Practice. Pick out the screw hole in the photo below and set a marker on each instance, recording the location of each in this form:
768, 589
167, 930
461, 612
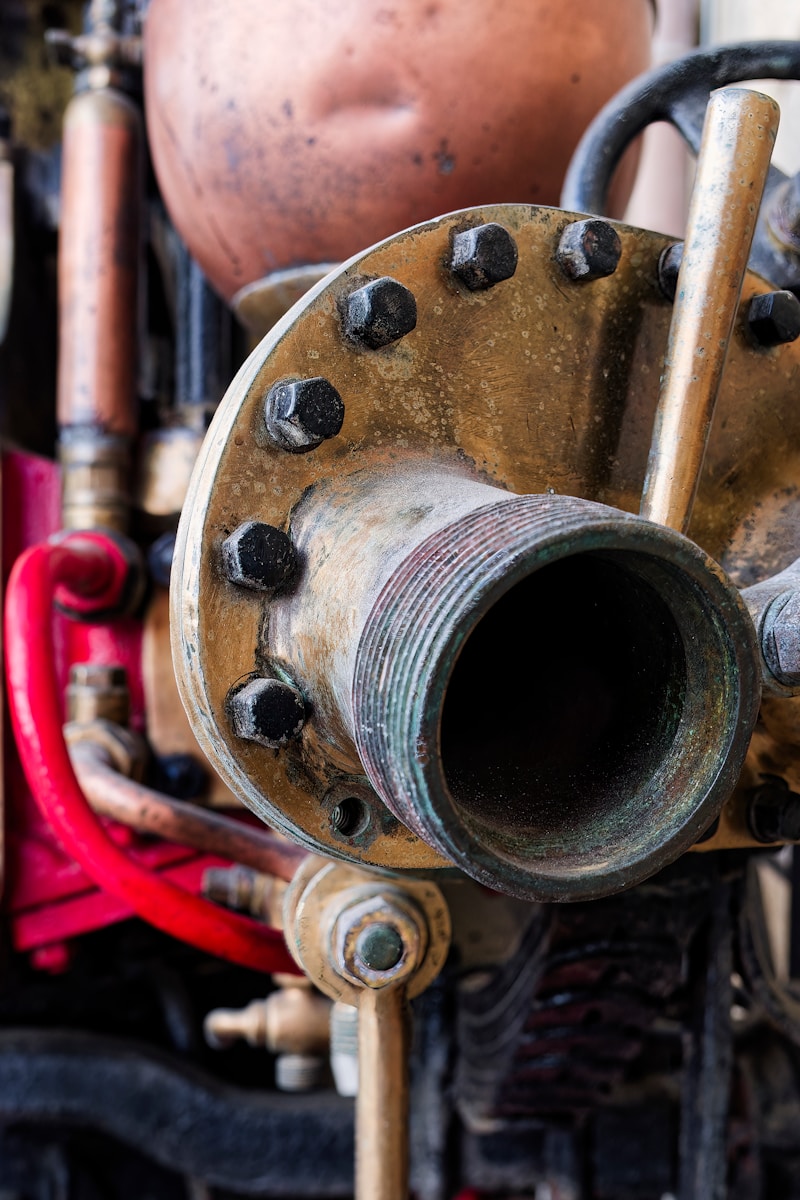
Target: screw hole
350, 816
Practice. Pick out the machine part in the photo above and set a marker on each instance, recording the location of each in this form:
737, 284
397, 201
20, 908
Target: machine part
330, 910
88, 564
166, 460
301, 414
773, 605
268, 712
293, 1020
774, 319
244, 890
379, 313
369, 116
260, 305
482, 257
434, 440
259, 556
738, 137
344, 1048
181, 1117
98, 275
774, 813
95, 469
159, 558
98, 693
589, 250
141, 808
679, 93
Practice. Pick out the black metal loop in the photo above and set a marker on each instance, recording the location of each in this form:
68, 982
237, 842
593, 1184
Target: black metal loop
677, 93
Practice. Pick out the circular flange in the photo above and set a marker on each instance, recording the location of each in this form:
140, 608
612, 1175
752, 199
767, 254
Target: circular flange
538, 383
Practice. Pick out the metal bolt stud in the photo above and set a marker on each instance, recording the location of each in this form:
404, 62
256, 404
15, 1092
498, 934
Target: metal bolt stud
780, 638
379, 947
258, 556
483, 256
379, 939
589, 250
774, 318
267, 711
380, 313
300, 414
669, 264
159, 558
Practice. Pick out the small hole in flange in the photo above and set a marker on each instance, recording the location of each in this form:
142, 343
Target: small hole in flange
349, 816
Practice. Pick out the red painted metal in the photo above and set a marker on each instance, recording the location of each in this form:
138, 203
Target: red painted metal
37, 718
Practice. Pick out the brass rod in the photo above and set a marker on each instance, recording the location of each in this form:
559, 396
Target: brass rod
738, 137
382, 1105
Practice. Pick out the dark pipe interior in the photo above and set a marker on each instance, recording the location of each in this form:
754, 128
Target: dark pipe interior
563, 698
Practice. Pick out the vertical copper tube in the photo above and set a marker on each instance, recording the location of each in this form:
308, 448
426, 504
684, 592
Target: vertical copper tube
738, 137
98, 274
382, 1105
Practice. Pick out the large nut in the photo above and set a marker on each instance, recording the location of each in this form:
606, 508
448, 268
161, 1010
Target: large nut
781, 638
258, 556
589, 249
774, 318
380, 313
378, 940
483, 256
267, 711
301, 414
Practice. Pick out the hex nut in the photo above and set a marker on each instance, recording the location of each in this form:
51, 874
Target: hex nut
781, 638
159, 558
267, 711
483, 256
774, 318
589, 250
380, 312
669, 264
301, 414
364, 931
259, 557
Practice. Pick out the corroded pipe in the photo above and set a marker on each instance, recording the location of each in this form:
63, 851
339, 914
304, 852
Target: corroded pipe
98, 263
735, 154
554, 694
148, 811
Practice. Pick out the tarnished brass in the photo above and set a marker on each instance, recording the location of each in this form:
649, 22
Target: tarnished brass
539, 385
738, 138
323, 898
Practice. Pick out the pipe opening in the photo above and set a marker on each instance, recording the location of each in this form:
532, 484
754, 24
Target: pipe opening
564, 696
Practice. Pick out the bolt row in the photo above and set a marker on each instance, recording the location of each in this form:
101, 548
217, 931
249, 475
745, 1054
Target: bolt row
301, 414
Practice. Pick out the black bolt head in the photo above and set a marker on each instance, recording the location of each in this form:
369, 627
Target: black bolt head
181, 776
589, 250
483, 256
380, 313
774, 318
300, 414
267, 711
669, 264
259, 557
159, 558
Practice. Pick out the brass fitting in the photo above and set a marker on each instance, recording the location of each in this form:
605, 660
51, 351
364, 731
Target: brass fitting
378, 939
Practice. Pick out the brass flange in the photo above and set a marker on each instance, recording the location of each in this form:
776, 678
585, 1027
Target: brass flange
544, 383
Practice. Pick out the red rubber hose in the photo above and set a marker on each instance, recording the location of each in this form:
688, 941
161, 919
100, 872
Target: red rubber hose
88, 565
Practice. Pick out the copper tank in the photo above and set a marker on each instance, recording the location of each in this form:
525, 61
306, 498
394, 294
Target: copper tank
300, 131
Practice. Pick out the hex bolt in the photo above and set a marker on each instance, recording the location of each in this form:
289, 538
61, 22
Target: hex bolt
773, 813
301, 414
379, 939
669, 264
774, 318
589, 250
259, 557
159, 558
780, 638
267, 711
380, 312
379, 947
483, 256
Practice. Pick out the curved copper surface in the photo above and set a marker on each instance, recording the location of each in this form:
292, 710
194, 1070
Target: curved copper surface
300, 131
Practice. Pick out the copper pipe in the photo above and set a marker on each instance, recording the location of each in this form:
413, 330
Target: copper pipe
98, 268
148, 811
738, 138
382, 1104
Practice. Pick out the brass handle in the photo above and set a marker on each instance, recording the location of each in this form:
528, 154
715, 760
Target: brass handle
738, 137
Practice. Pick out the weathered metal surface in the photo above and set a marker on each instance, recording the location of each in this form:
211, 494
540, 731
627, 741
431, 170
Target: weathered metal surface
539, 384
735, 153
296, 133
